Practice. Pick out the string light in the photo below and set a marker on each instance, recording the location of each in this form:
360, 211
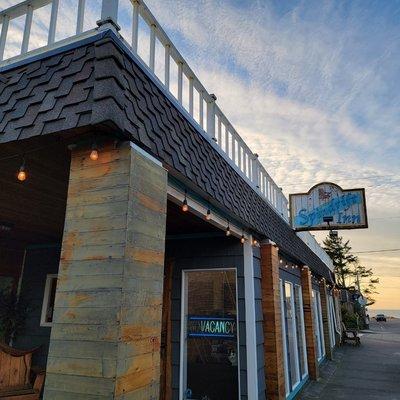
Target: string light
22, 173
208, 215
228, 230
94, 154
242, 239
255, 242
281, 261
185, 206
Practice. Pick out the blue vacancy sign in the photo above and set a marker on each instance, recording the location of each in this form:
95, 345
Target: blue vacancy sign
346, 207
214, 327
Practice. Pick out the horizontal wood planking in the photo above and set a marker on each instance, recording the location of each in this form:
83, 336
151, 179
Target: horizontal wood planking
272, 323
111, 276
325, 317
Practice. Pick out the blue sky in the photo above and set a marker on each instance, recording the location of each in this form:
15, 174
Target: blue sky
313, 87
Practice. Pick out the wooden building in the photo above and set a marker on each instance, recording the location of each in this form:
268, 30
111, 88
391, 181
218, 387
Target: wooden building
154, 249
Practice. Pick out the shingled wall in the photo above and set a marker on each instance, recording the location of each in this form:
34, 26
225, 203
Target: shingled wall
100, 84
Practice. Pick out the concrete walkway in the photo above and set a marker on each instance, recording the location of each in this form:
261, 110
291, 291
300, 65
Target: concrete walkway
368, 372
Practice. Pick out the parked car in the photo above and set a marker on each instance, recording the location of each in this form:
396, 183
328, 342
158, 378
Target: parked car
380, 317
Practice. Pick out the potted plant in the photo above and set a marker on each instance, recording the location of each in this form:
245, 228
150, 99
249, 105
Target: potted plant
13, 313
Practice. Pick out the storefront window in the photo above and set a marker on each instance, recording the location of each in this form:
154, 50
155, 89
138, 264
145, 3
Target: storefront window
301, 337
295, 357
285, 354
292, 335
318, 328
210, 336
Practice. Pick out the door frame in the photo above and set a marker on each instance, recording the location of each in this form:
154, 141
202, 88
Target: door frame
183, 334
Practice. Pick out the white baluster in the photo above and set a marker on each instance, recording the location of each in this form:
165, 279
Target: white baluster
233, 144
254, 168
180, 81
219, 131
53, 21
191, 89
27, 29
135, 26
201, 109
211, 116
167, 63
3, 37
240, 155
80, 17
227, 139
152, 46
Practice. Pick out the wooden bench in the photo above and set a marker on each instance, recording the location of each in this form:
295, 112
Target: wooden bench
350, 335
18, 380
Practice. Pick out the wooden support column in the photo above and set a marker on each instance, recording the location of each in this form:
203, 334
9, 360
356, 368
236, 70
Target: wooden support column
105, 338
325, 317
309, 323
272, 323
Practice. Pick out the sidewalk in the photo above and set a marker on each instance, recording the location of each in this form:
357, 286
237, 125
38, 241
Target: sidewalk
368, 372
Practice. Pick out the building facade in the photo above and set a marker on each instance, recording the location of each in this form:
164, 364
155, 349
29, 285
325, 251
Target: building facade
153, 248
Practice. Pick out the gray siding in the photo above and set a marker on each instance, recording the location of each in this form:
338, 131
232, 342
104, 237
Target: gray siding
38, 263
259, 323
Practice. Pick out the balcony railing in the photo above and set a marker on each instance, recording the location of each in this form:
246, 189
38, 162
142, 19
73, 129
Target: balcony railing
147, 40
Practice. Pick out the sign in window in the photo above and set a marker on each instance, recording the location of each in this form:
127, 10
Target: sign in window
209, 337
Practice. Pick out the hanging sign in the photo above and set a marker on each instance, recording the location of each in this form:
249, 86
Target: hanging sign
212, 327
327, 206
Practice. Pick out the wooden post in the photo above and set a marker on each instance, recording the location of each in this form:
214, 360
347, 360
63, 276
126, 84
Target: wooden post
105, 338
309, 323
325, 317
272, 323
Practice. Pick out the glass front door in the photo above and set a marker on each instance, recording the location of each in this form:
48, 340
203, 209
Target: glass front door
209, 336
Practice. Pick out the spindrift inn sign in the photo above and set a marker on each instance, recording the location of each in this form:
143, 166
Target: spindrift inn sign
311, 211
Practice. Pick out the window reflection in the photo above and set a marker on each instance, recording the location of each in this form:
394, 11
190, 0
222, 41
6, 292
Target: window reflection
211, 335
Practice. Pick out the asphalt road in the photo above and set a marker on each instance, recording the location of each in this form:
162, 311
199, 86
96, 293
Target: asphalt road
368, 372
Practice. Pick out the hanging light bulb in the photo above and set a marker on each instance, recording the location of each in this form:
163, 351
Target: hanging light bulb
94, 154
228, 230
242, 239
255, 242
22, 173
208, 215
185, 206
281, 261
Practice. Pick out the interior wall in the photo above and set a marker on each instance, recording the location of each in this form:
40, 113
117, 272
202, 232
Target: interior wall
39, 261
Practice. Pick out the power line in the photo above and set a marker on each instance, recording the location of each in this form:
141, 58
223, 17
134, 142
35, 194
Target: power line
391, 177
375, 251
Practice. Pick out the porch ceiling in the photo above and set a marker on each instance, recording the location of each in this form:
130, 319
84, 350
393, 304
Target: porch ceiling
33, 209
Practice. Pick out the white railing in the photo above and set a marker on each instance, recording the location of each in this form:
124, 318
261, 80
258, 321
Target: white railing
312, 243
143, 34
183, 84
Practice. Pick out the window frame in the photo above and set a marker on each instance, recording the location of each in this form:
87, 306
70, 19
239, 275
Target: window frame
183, 327
46, 300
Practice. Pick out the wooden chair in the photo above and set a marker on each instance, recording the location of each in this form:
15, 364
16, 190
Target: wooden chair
350, 335
16, 373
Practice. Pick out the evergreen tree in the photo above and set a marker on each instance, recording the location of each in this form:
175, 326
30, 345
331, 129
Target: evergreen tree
365, 282
340, 253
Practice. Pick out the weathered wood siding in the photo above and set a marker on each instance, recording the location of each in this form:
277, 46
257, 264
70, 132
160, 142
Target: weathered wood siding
272, 323
105, 340
39, 262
